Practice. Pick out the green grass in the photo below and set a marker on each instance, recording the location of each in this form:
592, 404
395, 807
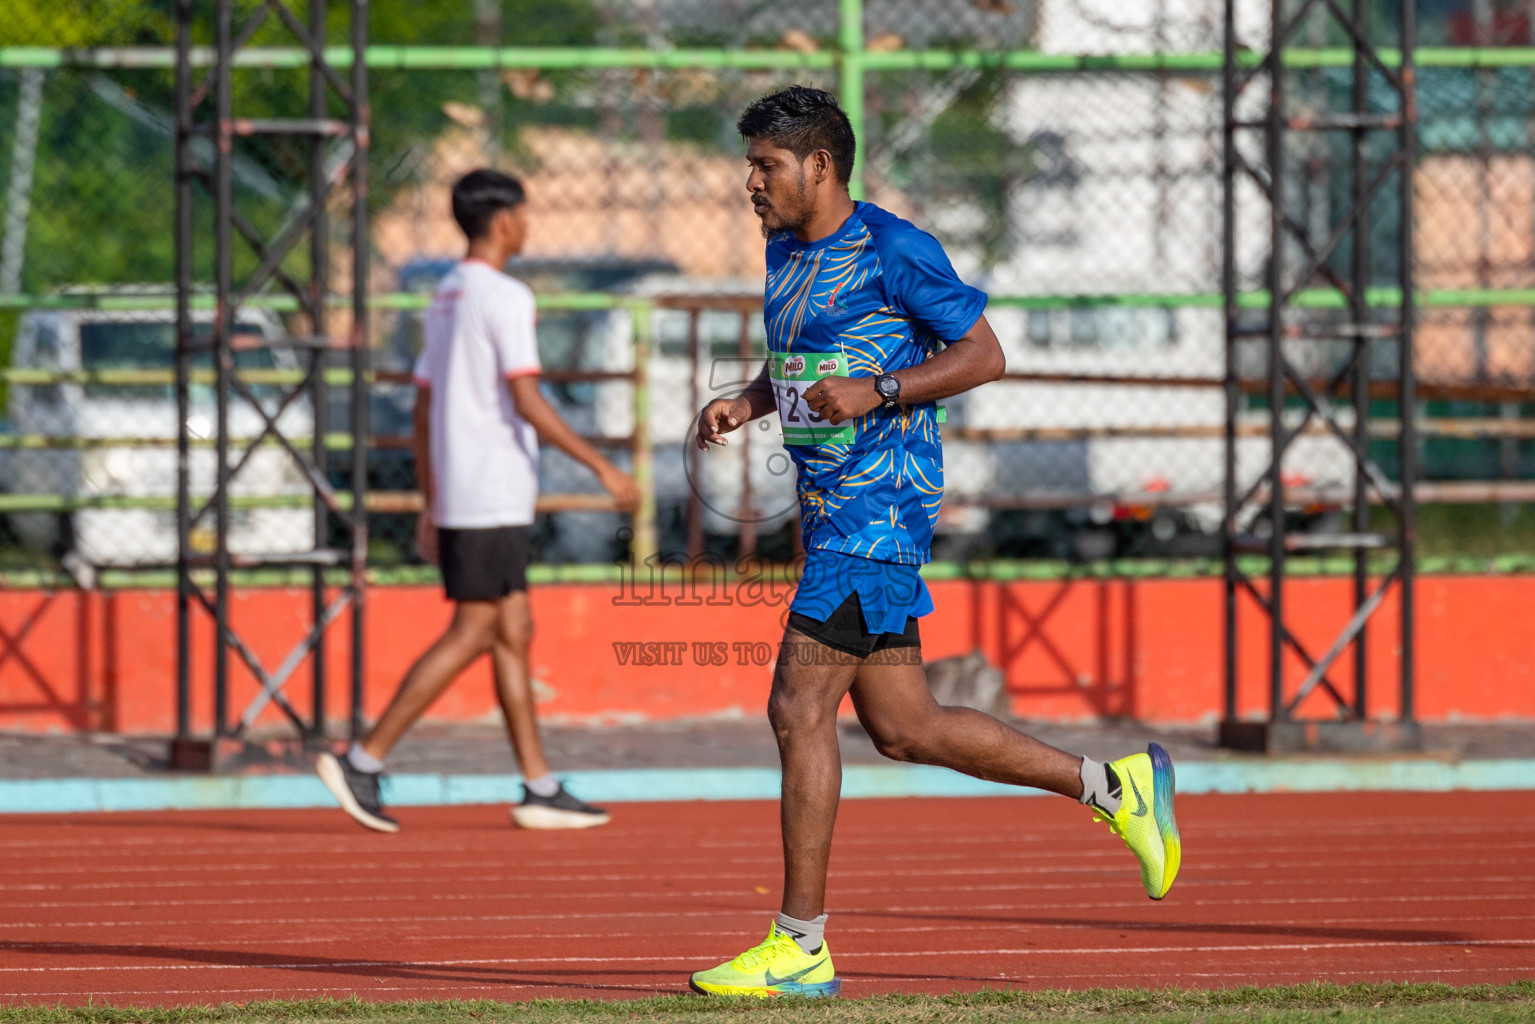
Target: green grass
1320, 1002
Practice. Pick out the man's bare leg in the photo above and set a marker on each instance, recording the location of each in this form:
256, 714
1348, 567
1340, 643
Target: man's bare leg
899, 713
514, 683
808, 685
471, 634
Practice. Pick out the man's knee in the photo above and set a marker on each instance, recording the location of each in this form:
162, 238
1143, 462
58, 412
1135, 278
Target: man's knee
475, 634
902, 733
793, 708
515, 632
783, 711
899, 742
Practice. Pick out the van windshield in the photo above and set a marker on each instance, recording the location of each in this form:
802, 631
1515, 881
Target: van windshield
152, 346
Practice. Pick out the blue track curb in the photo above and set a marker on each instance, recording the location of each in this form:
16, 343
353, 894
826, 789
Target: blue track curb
187, 792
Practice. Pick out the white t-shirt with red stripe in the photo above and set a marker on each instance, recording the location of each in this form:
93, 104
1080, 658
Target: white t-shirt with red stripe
479, 333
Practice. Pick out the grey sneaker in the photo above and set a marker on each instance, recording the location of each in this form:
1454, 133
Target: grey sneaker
558, 811
356, 791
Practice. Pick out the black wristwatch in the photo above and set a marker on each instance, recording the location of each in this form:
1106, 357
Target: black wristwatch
888, 389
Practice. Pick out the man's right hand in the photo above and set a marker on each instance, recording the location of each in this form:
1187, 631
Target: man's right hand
426, 538
720, 417
621, 486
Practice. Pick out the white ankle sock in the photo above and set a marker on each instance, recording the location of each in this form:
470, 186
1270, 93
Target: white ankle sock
809, 935
1100, 787
546, 785
364, 761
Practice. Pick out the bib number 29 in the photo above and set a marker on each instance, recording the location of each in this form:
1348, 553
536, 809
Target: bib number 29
793, 375
792, 406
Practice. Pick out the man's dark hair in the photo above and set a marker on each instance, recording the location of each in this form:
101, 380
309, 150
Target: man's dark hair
479, 195
803, 120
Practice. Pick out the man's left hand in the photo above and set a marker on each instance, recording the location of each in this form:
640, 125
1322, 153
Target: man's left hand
838, 399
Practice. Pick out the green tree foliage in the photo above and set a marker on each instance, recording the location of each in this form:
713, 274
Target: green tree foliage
103, 192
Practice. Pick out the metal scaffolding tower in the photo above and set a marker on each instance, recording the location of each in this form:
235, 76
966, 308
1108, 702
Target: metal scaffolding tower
1314, 365
210, 134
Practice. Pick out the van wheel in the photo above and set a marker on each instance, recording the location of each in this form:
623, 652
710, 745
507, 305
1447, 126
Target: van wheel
43, 531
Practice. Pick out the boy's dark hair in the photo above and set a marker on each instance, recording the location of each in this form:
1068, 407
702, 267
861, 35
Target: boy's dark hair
478, 195
803, 120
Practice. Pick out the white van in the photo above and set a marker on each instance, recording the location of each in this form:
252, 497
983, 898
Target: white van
63, 436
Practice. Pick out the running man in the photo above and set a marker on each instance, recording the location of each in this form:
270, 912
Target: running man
478, 419
867, 327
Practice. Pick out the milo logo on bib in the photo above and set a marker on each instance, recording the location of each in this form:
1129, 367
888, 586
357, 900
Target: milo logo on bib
792, 376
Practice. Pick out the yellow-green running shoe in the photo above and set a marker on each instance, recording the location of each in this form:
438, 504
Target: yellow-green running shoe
774, 967
1145, 818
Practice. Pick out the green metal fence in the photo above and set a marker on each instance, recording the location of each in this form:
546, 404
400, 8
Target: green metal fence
1036, 165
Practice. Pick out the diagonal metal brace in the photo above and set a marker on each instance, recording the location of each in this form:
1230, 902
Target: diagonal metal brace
1324, 413
1273, 61
1355, 625
1347, 224
321, 486
248, 656
1289, 638
271, 685
1364, 46
245, 456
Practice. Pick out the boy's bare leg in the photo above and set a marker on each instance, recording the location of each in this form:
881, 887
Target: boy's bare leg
808, 684
898, 712
514, 683
471, 634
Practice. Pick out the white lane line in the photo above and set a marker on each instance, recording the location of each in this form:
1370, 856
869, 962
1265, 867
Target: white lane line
1082, 840
1281, 901
354, 938
930, 953
1349, 884
658, 988
1207, 875
516, 873
944, 908
872, 984
513, 870
917, 833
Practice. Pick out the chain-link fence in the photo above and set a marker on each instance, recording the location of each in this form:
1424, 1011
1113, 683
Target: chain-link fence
1067, 153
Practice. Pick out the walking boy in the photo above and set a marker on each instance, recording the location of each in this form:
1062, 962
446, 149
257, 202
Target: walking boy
478, 420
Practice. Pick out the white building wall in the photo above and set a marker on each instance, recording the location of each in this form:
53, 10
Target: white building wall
1125, 197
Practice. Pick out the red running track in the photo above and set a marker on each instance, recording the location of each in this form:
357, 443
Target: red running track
927, 895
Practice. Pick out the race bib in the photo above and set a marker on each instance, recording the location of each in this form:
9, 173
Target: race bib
792, 375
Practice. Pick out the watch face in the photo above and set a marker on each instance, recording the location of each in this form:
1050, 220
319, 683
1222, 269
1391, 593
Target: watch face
888, 386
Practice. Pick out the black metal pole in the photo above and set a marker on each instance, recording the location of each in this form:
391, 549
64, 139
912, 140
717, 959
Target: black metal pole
1407, 521
748, 525
1232, 395
1359, 313
223, 324
319, 278
184, 193
1274, 143
695, 401
360, 118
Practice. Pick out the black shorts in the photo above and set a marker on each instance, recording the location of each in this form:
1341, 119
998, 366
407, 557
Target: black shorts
483, 565
844, 631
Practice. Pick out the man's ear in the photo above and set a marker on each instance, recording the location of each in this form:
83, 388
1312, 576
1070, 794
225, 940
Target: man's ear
822, 166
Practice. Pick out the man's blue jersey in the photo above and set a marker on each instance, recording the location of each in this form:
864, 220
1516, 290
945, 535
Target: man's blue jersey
883, 293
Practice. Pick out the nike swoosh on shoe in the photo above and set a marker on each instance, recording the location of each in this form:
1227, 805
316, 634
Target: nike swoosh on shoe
1140, 810
770, 979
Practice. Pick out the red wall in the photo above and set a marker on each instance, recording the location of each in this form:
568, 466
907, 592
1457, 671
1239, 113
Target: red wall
1149, 649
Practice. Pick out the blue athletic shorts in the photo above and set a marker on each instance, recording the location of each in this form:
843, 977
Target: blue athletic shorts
889, 593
